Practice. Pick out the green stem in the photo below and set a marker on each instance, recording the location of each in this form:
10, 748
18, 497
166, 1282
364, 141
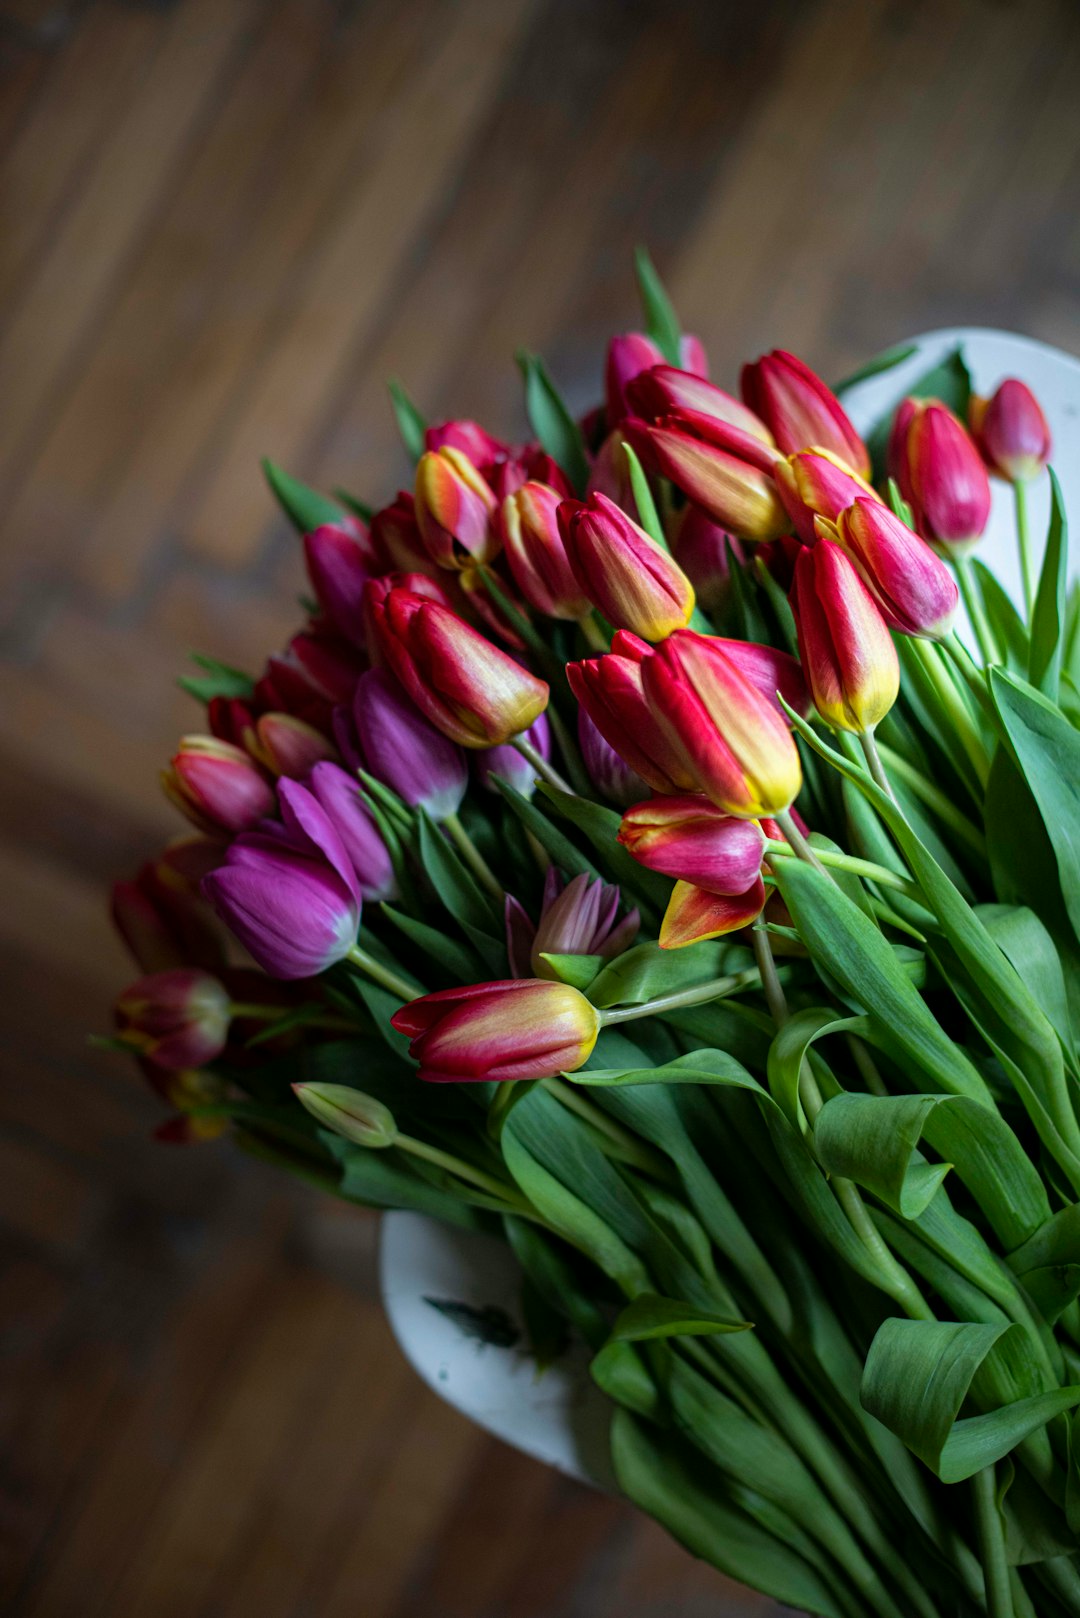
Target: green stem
575, 768
260, 1013
999, 1602
786, 821
464, 1171
473, 857
547, 772
628, 1146
1023, 539
955, 708
969, 589
716, 990
933, 797
382, 975
832, 860
595, 638
868, 743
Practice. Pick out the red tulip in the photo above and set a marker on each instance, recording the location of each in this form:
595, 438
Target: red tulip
177, 1019
691, 839
536, 553
1011, 431
455, 510
636, 585
847, 651
800, 410
816, 483
512, 1029
914, 590
216, 785
940, 474
609, 689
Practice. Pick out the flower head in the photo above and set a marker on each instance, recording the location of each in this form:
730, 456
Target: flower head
800, 410
536, 552
455, 509
940, 473
579, 917
845, 645
178, 1019
1011, 431
508, 1030
404, 750
690, 839
816, 483
216, 785
636, 585
914, 590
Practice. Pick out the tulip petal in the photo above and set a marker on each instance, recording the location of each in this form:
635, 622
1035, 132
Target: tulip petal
692, 914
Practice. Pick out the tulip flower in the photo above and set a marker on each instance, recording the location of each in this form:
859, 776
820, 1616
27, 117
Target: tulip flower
187, 1090
396, 533
580, 917
178, 1019
1011, 431
509, 765
339, 795
940, 474
733, 741
468, 438
401, 748
163, 921
314, 665
817, 483
667, 392
634, 355
694, 913
689, 838
216, 785
340, 558
537, 555
289, 893
376, 592
701, 549
737, 492
610, 690
455, 510
350, 1113
287, 745
506, 1030
914, 590
610, 473
231, 719
801, 412
845, 645
469, 689
610, 775
636, 585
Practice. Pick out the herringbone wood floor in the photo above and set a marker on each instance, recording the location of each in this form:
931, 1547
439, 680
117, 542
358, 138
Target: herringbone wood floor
222, 224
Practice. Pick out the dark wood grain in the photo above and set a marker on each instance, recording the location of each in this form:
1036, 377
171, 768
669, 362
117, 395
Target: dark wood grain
224, 224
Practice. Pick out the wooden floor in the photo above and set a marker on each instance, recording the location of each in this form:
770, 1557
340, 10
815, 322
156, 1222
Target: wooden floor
223, 223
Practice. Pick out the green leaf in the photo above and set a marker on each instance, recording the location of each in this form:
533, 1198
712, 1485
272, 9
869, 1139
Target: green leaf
620, 1371
305, 508
219, 680
358, 507
563, 853
1009, 628
789, 1049
661, 321
1027, 943
411, 424
885, 361
1048, 613
462, 895
918, 1374
650, 1316
383, 1180
646, 971
700, 1067
449, 953
577, 970
551, 421
646, 505
547, 1264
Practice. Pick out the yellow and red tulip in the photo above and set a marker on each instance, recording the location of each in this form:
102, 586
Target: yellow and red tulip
537, 555
694, 913
636, 585
800, 410
455, 510
736, 492
287, 745
610, 691
914, 590
216, 785
1011, 431
847, 651
689, 838
666, 391
816, 483
940, 473
518, 1028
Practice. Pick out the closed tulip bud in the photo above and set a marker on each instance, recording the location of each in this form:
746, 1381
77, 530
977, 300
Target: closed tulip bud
610, 690
178, 1019
801, 412
817, 483
340, 558
396, 533
289, 892
216, 785
160, 916
287, 745
734, 743
940, 474
376, 592
580, 917
470, 440
636, 585
914, 590
612, 777
737, 492
339, 795
701, 549
627, 357
1011, 431
469, 689
537, 555
691, 839
455, 510
667, 391
405, 751
694, 914
847, 651
230, 719
350, 1113
509, 765
508, 1030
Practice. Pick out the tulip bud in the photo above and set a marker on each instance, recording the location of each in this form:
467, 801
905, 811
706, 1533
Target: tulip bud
178, 1019
339, 796
162, 920
470, 440
230, 719
845, 645
508, 1030
580, 917
817, 483
1011, 431
801, 412
509, 765
914, 590
721, 419
690, 839
627, 357
455, 510
701, 550
340, 558
940, 474
351, 1113
288, 746
536, 553
636, 585
216, 785
694, 913
469, 689
396, 533
401, 748
609, 774
733, 741
376, 592
736, 492
610, 690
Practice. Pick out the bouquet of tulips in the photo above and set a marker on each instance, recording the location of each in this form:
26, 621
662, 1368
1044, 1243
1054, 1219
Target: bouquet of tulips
630, 857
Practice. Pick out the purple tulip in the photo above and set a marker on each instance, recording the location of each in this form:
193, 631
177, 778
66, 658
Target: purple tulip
508, 763
339, 795
287, 891
613, 779
340, 559
404, 751
580, 917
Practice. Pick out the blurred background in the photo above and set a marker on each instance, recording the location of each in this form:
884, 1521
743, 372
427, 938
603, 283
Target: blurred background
223, 225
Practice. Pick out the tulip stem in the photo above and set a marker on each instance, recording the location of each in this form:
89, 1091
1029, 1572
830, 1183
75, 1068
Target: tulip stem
849, 862
1023, 536
954, 706
261, 1013
786, 821
463, 1171
473, 857
714, 990
874, 764
969, 589
382, 975
630, 1148
999, 1602
547, 772
933, 797
595, 638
